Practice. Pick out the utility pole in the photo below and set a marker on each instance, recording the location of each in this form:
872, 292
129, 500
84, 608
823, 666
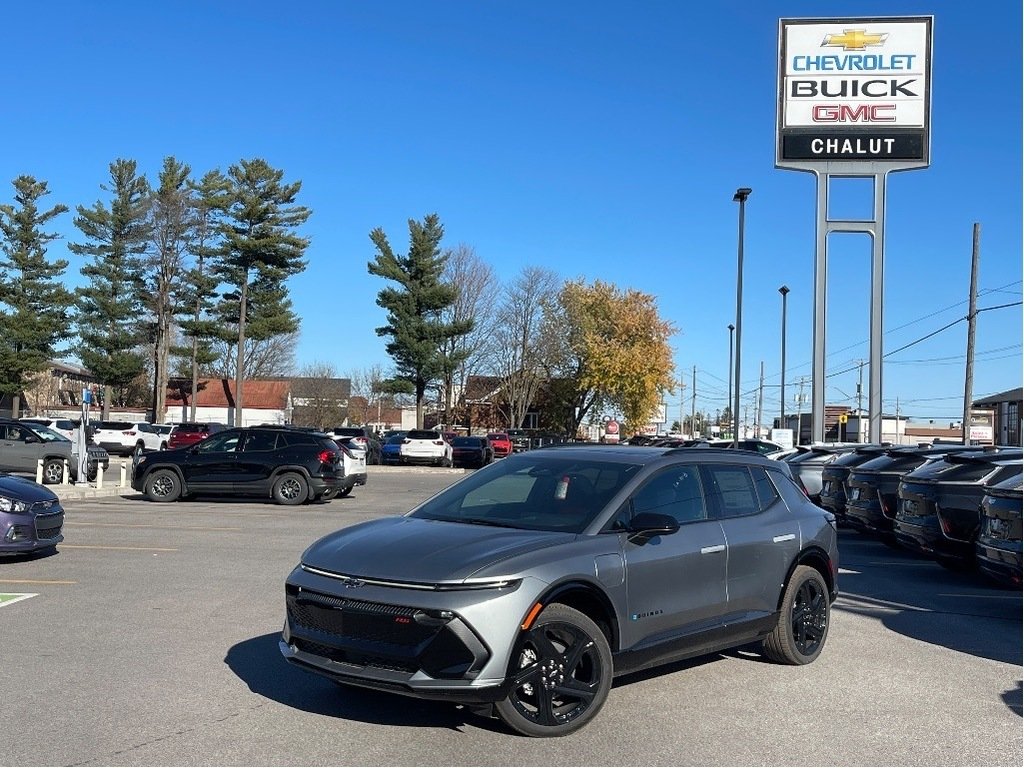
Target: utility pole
860, 391
693, 403
682, 399
972, 316
799, 411
760, 403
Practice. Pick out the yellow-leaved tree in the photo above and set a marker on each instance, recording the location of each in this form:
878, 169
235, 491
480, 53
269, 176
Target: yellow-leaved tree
618, 345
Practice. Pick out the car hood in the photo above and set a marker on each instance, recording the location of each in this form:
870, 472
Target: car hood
24, 489
425, 551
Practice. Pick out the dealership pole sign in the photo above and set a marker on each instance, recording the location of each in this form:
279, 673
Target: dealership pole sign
854, 91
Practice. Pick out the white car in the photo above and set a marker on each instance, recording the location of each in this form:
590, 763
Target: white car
422, 446
125, 438
65, 427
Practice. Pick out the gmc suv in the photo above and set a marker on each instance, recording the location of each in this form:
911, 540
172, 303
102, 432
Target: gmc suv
289, 466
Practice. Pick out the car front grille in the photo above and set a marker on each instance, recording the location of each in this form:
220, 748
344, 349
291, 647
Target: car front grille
392, 638
48, 526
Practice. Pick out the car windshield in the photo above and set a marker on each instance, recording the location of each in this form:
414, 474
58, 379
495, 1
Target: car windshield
48, 435
538, 493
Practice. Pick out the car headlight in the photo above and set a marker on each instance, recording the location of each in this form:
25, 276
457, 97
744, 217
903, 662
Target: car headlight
8, 504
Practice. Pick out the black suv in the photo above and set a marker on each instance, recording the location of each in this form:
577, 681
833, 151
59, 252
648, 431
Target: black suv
288, 465
999, 541
872, 487
835, 474
940, 503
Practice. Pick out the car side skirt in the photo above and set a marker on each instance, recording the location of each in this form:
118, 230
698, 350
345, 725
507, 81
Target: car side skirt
700, 643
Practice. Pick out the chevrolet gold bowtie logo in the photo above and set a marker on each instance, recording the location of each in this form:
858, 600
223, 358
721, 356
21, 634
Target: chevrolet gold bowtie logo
854, 39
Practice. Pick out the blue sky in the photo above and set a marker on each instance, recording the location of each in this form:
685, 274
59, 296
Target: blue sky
603, 140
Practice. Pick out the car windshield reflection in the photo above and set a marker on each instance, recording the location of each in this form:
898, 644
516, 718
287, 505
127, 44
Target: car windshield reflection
533, 492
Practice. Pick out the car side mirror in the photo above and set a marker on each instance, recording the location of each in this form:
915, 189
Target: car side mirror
32, 439
647, 525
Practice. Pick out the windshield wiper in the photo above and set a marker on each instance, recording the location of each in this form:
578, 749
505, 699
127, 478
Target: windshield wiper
474, 521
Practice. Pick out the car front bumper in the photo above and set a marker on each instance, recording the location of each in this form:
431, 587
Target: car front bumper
453, 645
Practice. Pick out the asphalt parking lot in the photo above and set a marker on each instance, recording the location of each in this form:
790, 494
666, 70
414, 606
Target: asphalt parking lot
151, 639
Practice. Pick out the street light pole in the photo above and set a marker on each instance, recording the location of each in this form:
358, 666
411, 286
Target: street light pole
740, 197
782, 421
731, 329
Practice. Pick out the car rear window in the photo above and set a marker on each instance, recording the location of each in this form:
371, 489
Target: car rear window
423, 434
348, 431
301, 438
190, 427
119, 425
466, 442
497, 436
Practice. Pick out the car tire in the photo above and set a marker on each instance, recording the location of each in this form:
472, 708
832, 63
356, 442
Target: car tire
802, 626
163, 446
162, 485
446, 462
53, 471
345, 491
291, 488
545, 699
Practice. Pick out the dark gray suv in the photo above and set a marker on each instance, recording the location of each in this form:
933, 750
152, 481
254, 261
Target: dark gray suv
523, 589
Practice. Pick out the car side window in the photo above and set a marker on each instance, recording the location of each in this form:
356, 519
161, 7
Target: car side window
731, 489
675, 491
259, 441
223, 442
766, 493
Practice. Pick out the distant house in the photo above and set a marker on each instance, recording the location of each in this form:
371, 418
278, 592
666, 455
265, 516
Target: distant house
266, 401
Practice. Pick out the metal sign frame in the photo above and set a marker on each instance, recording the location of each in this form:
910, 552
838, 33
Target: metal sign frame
824, 171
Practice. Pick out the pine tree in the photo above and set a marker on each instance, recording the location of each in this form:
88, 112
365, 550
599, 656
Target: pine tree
260, 252
198, 290
415, 325
34, 306
110, 308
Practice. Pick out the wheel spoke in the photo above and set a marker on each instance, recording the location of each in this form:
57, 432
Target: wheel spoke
577, 689
528, 674
542, 643
572, 657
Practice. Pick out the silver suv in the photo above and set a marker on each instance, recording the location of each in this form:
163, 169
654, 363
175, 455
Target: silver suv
523, 589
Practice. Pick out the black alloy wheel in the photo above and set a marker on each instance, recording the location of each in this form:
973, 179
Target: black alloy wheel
290, 488
800, 633
162, 485
561, 674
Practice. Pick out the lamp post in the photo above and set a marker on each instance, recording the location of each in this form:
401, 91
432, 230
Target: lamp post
782, 421
740, 197
731, 329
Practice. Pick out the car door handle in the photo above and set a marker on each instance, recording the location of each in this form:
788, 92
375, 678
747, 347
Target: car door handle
712, 550
783, 537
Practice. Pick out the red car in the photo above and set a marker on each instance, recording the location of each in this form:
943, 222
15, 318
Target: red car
501, 444
189, 433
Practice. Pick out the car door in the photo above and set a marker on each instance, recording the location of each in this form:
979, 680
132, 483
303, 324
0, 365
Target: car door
211, 464
256, 460
675, 584
762, 535
22, 449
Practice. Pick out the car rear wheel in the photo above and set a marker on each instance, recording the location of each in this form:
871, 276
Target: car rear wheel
802, 627
290, 488
561, 674
162, 485
53, 471
345, 491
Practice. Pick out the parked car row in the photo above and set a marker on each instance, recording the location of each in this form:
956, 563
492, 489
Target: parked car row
959, 505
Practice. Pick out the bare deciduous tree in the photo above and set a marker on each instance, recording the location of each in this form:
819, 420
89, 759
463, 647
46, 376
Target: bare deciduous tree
476, 299
317, 397
519, 348
264, 358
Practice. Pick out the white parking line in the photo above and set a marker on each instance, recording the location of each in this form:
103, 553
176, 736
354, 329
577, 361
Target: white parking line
7, 599
130, 549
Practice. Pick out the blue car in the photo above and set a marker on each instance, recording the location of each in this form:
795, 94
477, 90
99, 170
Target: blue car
391, 449
31, 516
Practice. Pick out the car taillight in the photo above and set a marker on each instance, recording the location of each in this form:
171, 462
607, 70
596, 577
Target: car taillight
326, 457
439, 442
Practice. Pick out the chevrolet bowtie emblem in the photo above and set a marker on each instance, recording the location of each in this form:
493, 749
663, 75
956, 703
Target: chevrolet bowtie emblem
351, 583
854, 39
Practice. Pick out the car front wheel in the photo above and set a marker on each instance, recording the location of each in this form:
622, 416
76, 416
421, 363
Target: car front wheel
53, 471
162, 485
802, 627
561, 674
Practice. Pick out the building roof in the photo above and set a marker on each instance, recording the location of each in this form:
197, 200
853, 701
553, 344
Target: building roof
1008, 396
271, 394
309, 386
